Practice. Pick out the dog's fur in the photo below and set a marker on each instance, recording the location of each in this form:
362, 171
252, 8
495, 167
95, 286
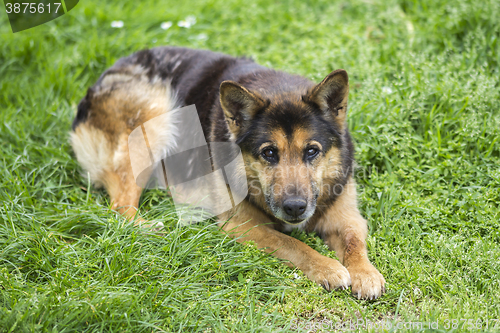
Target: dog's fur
296, 147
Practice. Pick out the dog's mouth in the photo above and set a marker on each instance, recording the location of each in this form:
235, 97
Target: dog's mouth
294, 222
297, 220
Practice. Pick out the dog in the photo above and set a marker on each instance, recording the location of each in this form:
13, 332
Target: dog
297, 151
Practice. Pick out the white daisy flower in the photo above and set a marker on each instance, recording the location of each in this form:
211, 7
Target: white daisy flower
117, 24
166, 25
188, 22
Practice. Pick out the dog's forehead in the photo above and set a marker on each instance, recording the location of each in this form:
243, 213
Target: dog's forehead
296, 123
287, 114
296, 140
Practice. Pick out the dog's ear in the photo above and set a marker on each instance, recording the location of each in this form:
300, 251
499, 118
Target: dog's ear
331, 96
239, 104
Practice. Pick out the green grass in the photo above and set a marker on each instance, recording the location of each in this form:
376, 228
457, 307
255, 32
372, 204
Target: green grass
425, 115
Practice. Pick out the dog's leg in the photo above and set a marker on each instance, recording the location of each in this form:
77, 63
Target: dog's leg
124, 192
250, 224
344, 231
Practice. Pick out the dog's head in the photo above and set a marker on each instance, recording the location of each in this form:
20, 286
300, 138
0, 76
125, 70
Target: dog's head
293, 142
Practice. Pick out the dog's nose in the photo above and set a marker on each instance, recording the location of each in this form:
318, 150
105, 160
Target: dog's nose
295, 206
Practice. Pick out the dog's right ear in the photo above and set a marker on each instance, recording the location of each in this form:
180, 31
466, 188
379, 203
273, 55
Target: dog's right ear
239, 105
331, 97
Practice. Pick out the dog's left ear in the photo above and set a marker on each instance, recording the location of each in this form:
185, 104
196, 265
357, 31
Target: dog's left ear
331, 96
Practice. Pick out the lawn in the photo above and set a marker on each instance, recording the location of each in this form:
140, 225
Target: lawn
425, 116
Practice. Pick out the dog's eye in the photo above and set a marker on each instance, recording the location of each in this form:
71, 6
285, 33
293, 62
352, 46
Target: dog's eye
311, 152
269, 154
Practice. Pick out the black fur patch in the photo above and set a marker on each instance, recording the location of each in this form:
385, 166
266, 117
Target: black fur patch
83, 109
205, 91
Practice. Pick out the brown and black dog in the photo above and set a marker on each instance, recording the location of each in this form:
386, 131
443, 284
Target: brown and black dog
297, 151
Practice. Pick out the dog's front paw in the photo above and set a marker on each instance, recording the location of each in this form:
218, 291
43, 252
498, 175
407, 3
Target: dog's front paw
367, 282
330, 274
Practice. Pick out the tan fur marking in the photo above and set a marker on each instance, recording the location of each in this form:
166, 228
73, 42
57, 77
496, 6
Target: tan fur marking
343, 218
345, 232
327, 168
278, 137
300, 140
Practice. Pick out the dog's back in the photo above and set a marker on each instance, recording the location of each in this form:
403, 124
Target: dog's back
190, 76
